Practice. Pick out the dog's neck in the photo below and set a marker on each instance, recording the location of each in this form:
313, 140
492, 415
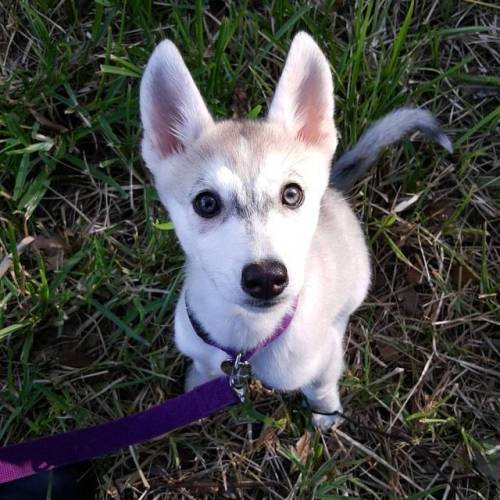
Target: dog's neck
229, 324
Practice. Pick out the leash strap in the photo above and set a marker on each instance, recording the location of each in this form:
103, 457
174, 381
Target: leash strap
47, 453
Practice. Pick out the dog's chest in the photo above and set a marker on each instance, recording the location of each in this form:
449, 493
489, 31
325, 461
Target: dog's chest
296, 358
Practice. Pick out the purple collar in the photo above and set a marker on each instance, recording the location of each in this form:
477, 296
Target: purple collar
246, 355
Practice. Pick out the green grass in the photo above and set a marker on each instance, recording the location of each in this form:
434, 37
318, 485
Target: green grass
86, 308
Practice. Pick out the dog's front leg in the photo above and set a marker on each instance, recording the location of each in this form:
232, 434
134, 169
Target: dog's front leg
198, 373
323, 398
206, 360
323, 393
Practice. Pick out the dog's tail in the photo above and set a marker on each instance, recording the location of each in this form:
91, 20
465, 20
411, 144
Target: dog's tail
384, 132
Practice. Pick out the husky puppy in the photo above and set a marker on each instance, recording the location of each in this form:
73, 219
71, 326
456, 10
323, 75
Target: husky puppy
263, 222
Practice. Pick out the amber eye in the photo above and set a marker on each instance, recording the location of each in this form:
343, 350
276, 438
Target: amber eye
207, 204
292, 195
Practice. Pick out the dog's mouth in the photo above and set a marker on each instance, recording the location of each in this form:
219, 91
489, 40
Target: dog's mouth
263, 305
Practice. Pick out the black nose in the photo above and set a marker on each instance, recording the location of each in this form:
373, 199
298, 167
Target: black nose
265, 279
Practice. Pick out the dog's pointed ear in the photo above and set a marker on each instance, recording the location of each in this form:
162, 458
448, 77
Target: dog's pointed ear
303, 101
173, 112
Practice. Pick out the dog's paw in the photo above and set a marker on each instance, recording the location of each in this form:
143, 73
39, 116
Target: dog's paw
325, 422
194, 378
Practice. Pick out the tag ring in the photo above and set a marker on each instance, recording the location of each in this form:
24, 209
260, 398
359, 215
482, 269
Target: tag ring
239, 375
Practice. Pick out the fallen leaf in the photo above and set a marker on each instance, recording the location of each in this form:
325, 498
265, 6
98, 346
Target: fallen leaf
410, 301
303, 446
268, 439
460, 276
413, 276
388, 353
50, 245
440, 210
53, 249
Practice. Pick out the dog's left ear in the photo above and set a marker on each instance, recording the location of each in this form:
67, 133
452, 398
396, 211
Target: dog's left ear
303, 101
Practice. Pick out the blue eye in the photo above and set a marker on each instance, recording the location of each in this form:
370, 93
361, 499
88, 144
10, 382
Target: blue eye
292, 195
207, 204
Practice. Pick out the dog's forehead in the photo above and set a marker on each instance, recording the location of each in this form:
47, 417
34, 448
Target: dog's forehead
246, 155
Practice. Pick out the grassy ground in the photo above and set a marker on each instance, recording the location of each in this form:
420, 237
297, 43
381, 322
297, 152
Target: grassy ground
86, 308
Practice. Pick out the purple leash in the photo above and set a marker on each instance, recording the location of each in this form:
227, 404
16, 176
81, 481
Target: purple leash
25, 459
44, 454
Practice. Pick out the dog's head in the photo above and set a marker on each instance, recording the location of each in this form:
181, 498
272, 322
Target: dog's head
244, 196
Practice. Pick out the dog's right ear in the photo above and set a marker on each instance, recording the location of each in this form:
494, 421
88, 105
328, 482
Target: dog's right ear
173, 112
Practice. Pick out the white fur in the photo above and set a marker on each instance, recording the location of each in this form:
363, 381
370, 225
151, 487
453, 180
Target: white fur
321, 243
